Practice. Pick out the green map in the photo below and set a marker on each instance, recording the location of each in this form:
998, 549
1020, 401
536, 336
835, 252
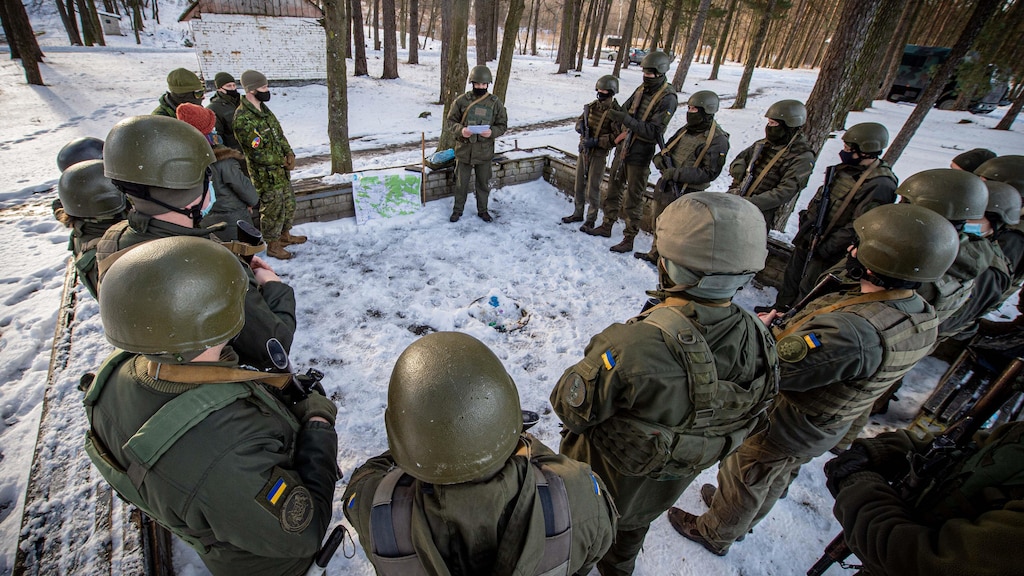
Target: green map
385, 194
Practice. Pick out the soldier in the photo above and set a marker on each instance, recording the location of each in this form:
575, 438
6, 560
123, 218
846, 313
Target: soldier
90, 204
180, 430
482, 497
693, 157
597, 136
232, 196
224, 103
162, 163
643, 117
837, 355
182, 86
972, 159
476, 119
970, 521
79, 150
773, 171
270, 159
859, 183
1008, 170
644, 418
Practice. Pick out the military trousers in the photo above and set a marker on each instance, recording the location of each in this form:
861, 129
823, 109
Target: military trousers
589, 174
483, 186
632, 180
750, 482
277, 201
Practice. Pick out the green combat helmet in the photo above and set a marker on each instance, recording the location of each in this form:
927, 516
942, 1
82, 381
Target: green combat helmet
609, 83
480, 75
173, 298
711, 244
1003, 201
453, 411
953, 194
79, 150
792, 113
156, 151
1007, 169
85, 192
706, 100
658, 60
906, 242
867, 137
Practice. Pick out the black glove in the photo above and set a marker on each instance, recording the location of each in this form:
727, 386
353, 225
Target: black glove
668, 174
659, 162
589, 143
839, 468
316, 404
618, 115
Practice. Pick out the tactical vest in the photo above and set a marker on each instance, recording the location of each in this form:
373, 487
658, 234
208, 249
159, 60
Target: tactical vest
906, 338
647, 103
159, 433
838, 214
597, 120
686, 149
724, 412
85, 264
393, 553
480, 110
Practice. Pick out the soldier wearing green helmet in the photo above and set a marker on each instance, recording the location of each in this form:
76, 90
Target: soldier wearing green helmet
647, 420
476, 119
693, 157
162, 164
837, 355
643, 118
196, 441
1008, 170
90, 204
182, 86
597, 137
463, 489
859, 183
774, 170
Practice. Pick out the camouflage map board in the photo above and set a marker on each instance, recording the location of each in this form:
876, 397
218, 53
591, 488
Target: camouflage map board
385, 194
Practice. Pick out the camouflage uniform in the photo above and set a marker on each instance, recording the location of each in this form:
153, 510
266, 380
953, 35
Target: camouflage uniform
474, 154
783, 182
592, 161
265, 148
165, 107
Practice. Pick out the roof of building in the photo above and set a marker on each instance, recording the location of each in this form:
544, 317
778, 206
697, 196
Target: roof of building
292, 8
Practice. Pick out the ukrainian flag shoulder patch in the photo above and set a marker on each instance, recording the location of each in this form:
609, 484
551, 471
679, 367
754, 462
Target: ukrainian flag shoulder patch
812, 340
608, 359
287, 499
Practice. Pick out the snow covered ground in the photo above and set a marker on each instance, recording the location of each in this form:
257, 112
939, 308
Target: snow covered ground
364, 292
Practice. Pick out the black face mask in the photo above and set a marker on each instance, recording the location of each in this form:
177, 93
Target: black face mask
602, 96
848, 158
233, 95
478, 92
654, 82
776, 134
263, 96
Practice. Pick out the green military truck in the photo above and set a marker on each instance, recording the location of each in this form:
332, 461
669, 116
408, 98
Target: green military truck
918, 66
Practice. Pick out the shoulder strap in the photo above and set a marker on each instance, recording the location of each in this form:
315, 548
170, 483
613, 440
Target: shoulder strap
849, 197
391, 520
771, 163
707, 143
859, 299
654, 101
199, 374
465, 112
554, 503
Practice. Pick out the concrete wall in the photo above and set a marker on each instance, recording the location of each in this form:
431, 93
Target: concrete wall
279, 47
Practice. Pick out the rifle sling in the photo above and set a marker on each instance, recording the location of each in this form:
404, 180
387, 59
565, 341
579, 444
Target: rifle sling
771, 163
196, 374
849, 197
465, 112
883, 296
243, 248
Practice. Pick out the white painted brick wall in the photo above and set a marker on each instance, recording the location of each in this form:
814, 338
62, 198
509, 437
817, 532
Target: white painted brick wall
281, 48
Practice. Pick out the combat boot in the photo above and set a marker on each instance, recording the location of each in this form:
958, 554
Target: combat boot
605, 229
587, 225
276, 250
287, 238
625, 246
686, 524
572, 219
651, 256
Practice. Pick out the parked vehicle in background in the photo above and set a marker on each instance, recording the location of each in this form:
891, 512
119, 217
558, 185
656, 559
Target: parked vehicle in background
636, 55
918, 66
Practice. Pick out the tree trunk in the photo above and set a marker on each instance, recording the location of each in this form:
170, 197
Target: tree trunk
755, 52
480, 30
70, 26
457, 67
683, 68
1011, 114
584, 37
23, 39
790, 40
868, 74
137, 20
376, 25
673, 24
390, 42
656, 25
508, 47
337, 26
565, 39
983, 11
359, 66
536, 27
627, 39
403, 22
894, 53
605, 13
722, 40
414, 31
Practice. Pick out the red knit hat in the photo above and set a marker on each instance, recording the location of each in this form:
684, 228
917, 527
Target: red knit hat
201, 118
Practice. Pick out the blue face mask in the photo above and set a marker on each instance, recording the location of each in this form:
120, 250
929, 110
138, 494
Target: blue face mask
213, 198
972, 228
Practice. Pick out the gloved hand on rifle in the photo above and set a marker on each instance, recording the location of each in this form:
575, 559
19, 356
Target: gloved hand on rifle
589, 143
618, 115
660, 162
316, 404
668, 174
885, 454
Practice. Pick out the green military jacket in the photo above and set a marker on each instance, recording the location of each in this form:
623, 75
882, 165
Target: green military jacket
949, 293
783, 181
235, 193
971, 522
165, 108
648, 118
471, 110
224, 108
599, 125
85, 237
686, 146
986, 292
262, 141
248, 487
269, 309
460, 528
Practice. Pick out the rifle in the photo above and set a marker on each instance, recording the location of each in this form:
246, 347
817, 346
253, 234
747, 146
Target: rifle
928, 467
827, 285
301, 385
584, 151
748, 178
819, 221
668, 185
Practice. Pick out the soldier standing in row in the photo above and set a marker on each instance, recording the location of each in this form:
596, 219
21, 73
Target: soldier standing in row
773, 171
693, 157
1008, 170
476, 119
182, 86
972, 159
482, 497
224, 103
180, 430
270, 159
861, 182
597, 136
643, 117
649, 422
837, 355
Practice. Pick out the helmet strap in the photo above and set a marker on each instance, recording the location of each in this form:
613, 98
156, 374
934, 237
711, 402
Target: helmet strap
195, 212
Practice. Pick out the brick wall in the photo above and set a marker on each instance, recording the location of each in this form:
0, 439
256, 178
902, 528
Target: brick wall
281, 48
